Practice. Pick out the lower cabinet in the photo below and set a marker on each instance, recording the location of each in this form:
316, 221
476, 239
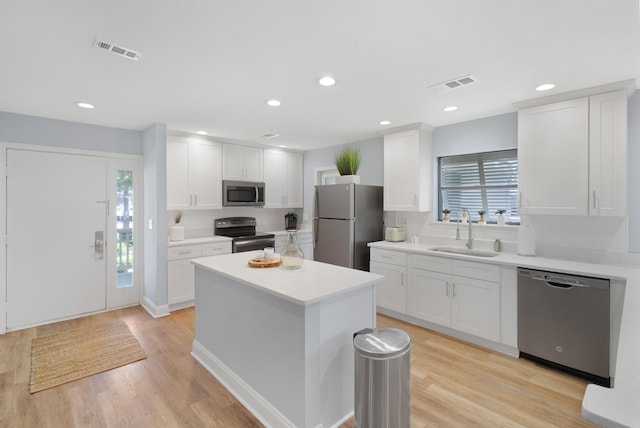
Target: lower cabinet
180, 271
468, 301
391, 293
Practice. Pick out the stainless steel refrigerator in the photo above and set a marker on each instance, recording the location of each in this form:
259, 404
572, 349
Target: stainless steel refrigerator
346, 217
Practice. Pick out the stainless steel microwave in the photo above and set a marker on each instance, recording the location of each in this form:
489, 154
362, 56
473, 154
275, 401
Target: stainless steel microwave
242, 193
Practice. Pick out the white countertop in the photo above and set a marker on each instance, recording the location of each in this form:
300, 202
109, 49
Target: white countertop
197, 241
284, 232
609, 407
312, 283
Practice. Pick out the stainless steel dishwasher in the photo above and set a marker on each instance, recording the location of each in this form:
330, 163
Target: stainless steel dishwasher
563, 321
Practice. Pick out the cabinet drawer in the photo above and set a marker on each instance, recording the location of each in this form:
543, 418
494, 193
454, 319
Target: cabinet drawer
184, 252
481, 271
215, 248
434, 264
389, 256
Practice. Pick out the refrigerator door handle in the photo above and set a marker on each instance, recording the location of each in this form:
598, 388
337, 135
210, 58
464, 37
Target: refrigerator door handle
315, 203
314, 232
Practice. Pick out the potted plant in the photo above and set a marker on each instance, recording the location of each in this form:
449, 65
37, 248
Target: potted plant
176, 232
501, 216
445, 215
347, 163
482, 220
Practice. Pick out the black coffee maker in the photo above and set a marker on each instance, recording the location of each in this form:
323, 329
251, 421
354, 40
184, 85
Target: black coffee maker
290, 221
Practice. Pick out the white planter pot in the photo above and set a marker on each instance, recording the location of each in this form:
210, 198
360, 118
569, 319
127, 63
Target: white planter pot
501, 220
176, 233
348, 179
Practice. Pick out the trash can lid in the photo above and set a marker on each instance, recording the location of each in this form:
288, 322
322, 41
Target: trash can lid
383, 343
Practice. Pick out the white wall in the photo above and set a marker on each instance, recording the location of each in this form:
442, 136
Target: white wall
634, 173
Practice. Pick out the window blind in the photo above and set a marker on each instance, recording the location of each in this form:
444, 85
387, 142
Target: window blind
480, 181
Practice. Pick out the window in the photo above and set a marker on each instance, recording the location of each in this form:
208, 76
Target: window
480, 181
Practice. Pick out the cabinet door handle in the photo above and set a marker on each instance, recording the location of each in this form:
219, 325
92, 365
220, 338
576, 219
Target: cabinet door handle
446, 288
594, 199
196, 198
453, 290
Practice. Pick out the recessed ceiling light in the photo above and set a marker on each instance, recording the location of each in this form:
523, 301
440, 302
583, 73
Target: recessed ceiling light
450, 108
202, 133
384, 122
273, 103
327, 81
545, 87
282, 146
85, 105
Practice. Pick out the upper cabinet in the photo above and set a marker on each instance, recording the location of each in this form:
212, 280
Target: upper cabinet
407, 170
572, 157
193, 174
242, 163
283, 179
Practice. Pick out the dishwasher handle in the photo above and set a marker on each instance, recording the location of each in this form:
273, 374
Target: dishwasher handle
565, 281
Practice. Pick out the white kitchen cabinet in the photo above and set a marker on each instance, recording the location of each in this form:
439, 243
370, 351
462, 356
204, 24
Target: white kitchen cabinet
467, 301
180, 272
608, 154
193, 174
242, 163
391, 292
283, 179
407, 170
572, 157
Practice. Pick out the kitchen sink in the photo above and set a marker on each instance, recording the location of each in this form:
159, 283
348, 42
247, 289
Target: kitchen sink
464, 251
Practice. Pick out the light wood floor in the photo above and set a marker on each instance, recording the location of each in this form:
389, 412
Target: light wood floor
453, 384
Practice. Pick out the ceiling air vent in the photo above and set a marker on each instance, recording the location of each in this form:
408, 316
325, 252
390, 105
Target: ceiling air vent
118, 50
270, 135
455, 83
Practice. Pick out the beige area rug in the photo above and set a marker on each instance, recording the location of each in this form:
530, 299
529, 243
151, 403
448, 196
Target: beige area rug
74, 354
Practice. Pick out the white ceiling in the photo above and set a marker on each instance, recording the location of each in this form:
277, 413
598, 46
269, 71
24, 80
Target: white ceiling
211, 64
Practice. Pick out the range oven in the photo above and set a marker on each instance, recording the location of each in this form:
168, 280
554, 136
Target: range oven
242, 193
242, 230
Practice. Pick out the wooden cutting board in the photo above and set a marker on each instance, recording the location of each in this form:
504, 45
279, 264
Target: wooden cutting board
265, 263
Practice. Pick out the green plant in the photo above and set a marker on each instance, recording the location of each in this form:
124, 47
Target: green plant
481, 212
500, 212
178, 217
446, 211
348, 160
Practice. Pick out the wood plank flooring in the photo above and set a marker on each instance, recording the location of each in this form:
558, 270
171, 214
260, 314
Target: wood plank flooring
453, 384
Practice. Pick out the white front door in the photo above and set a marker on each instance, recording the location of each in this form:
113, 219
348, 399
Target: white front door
56, 230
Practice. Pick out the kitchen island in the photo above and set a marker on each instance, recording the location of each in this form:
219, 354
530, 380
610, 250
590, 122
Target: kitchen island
280, 340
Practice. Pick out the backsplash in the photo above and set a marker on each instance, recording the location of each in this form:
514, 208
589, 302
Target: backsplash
587, 239
199, 223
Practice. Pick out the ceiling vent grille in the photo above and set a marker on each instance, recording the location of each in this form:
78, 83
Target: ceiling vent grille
118, 50
270, 135
454, 84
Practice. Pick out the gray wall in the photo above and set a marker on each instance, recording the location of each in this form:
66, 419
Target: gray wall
18, 128
155, 213
370, 172
634, 173
481, 135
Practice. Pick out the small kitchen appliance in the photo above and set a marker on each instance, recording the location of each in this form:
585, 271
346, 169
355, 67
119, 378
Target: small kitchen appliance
395, 234
242, 231
290, 221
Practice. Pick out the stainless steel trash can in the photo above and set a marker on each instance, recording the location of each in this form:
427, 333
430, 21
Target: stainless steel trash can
382, 378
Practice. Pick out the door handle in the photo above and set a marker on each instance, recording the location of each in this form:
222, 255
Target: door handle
98, 245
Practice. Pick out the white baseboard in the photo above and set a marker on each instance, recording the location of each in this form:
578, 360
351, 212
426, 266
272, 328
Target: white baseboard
154, 310
181, 305
254, 402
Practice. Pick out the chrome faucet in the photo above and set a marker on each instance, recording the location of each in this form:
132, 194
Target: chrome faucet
470, 240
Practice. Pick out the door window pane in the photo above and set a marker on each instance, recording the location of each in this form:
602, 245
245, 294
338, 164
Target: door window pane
124, 228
